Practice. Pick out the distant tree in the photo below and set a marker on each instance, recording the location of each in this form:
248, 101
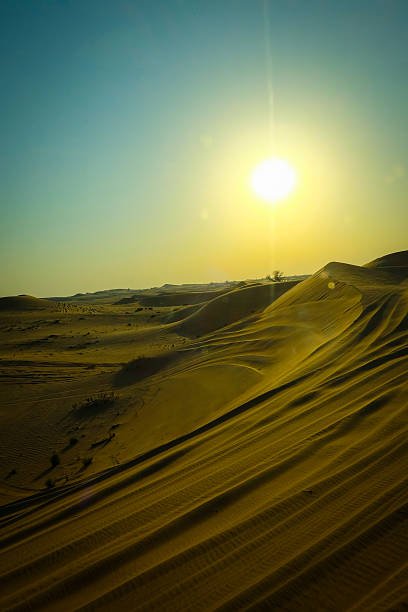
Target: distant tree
277, 275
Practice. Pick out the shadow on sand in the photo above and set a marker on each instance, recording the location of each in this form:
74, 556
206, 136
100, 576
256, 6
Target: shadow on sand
141, 368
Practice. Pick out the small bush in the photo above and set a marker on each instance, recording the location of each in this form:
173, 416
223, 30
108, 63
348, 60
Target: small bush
96, 402
86, 461
73, 441
55, 460
50, 483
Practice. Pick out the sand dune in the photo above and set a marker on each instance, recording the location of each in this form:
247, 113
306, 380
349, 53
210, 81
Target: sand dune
176, 298
232, 306
25, 302
260, 465
394, 262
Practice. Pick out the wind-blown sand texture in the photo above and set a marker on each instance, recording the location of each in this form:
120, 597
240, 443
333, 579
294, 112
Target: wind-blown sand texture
250, 451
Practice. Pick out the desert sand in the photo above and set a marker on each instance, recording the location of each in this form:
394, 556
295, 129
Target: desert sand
231, 447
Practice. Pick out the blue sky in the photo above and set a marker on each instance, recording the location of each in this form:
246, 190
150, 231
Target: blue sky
129, 130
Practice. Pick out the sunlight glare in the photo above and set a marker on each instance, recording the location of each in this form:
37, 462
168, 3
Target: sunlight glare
273, 179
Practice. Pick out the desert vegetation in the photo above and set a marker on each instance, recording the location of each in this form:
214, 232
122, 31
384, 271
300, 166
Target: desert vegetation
55, 460
276, 276
95, 403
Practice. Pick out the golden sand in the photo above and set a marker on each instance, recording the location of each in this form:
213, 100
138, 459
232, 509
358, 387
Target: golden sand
244, 449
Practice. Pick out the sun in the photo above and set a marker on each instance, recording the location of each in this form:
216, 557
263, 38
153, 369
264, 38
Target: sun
273, 179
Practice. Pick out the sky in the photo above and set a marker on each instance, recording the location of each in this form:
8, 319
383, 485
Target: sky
130, 128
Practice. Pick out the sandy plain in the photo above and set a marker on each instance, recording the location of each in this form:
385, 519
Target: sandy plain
223, 447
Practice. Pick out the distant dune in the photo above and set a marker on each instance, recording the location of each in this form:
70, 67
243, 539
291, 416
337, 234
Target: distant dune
173, 299
250, 455
24, 302
231, 307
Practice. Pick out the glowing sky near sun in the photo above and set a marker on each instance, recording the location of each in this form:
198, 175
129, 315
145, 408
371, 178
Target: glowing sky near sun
130, 130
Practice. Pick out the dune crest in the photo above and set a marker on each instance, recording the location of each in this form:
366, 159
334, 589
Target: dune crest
25, 302
391, 261
231, 307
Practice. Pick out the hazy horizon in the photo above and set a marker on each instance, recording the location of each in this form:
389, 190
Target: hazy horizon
286, 274
130, 130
